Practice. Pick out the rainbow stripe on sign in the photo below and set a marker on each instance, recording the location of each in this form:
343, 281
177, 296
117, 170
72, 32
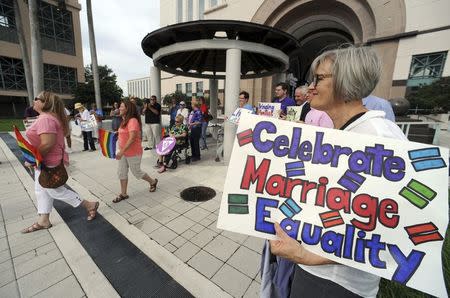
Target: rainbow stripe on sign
418, 193
290, 208
331, 219
245, 137
426, 159
237, 204
107, 140
423, 233
30, 154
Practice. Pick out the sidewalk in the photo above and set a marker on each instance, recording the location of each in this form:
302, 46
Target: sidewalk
31, 264
185, 229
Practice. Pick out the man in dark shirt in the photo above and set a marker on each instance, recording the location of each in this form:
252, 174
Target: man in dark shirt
30, 113
281, 92
152, 112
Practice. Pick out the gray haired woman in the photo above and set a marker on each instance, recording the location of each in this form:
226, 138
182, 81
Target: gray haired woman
342, 78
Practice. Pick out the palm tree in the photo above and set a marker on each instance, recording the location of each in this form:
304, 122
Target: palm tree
24, 51
94, 63
37, 66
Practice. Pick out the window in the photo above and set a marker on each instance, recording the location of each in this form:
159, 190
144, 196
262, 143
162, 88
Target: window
213, 3
189, 89
55, 26
12, 76
190, 10
179, 11
59, 79
199, 88
201, 9
179, 88
8, 30
425, 68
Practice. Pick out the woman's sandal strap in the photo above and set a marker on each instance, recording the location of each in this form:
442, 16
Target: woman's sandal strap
120, 198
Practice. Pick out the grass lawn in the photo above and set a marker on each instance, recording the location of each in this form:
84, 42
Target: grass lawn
7, 124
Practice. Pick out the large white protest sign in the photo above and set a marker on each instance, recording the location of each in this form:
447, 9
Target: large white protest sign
372, 203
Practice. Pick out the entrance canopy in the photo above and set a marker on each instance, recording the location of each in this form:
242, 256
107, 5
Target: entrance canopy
198, 49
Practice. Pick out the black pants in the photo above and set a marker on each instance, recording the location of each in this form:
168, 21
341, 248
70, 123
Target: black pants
307, 285
169, 155
194, 137
87, 138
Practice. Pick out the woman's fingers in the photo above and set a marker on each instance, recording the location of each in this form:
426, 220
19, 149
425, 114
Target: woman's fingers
281, 234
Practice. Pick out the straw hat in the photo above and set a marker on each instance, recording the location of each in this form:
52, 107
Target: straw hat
78, 105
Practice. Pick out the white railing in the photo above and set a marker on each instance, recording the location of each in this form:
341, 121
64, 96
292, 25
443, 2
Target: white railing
405, 126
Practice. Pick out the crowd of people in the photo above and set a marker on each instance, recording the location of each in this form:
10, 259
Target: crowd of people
338, 97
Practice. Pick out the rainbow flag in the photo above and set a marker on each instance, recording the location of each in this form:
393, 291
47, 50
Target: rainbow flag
107, 140
30, 154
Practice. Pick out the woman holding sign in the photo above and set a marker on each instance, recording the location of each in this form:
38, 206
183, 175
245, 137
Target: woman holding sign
130, 150
342, 78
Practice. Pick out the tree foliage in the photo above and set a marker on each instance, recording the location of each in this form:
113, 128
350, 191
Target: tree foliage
179, 96
109, 90
435, 96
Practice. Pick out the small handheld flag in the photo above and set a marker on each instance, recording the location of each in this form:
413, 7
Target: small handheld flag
30, 154
107, 140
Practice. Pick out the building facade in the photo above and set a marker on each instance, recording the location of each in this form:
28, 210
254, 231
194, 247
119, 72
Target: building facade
59, 25
412, 37
139, 87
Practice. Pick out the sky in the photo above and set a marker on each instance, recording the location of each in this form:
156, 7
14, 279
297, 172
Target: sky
119, 28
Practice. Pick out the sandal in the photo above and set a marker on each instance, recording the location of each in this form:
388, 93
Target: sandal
93, 212
153, 186
162, 169
35, 227
120, 197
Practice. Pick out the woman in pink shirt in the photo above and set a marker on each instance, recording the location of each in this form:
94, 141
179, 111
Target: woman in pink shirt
47, 135
130, 150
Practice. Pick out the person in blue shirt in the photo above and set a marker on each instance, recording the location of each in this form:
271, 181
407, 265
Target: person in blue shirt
195, 125
243, 101
281, 96
173, 112
376, 103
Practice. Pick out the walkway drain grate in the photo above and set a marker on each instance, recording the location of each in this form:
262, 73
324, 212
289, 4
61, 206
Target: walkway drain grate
198, 194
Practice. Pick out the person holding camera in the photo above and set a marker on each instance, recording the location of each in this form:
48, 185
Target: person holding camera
152, 113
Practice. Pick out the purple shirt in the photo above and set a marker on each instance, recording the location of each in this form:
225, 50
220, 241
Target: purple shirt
286, 102
319, 118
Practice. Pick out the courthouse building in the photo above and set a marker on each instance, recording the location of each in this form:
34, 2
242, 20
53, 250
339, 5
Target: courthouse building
59, 23
412, 37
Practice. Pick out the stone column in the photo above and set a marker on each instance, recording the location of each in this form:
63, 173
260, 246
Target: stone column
232, 79
213, 97
155, 82
37, 66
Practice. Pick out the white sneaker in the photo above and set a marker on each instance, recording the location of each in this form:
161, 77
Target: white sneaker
69, 150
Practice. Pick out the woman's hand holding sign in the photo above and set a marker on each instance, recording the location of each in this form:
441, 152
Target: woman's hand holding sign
288, 248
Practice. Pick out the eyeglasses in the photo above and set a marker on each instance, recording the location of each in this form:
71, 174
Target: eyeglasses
319, 77
37, 98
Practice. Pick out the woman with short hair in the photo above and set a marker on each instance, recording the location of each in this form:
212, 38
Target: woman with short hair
342, 78
130, 150
47, 135
195, 126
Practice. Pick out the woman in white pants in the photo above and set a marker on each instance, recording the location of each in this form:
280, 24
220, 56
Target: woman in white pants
47, 135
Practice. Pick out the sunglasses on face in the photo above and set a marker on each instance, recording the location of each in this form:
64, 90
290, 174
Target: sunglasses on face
319, 77
37, 98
